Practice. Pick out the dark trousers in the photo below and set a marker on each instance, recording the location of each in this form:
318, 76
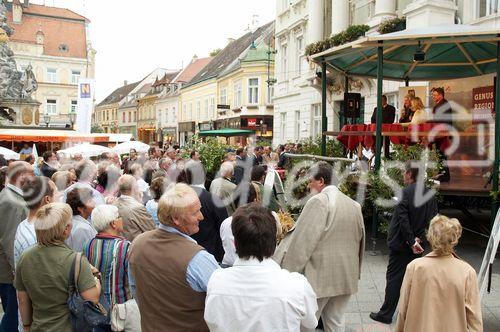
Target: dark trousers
9, 304
387, 146
398, 260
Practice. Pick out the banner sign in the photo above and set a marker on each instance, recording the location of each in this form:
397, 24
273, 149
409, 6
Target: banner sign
85, 105
483, 103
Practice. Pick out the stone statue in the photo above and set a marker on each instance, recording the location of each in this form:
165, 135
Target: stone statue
14, 86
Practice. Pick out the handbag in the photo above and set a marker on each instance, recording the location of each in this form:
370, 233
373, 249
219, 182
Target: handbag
84, 315
124, 316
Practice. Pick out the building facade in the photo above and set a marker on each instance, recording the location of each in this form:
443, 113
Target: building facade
297, 93
231, 91
55, 43
106, 112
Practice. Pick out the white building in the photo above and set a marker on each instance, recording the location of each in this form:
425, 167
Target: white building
297, 99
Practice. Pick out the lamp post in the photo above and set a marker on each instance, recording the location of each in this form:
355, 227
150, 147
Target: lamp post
46, 119
72, 119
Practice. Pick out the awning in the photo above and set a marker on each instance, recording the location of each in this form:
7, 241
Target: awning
227, 132
41, 135
451, 52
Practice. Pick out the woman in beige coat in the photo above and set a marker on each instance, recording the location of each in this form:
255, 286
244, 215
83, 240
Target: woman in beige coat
440, 291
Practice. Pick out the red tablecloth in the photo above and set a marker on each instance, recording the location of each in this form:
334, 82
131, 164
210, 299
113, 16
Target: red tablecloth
367, 139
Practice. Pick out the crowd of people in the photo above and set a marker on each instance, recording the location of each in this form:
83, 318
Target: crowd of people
150, 237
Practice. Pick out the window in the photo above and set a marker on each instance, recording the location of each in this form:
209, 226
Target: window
283, 126
284, 63
237, 94
159, 116
107, 115
316, 130
488, 7
51, 75
198, 110
190, 111
174, 115
270, 94
135, 116
74, 105
298, 57
184, 112
51, 107
253, 91
206, 109
212, 107
129, 116
75, 76
223, 97
123, 117
297, 125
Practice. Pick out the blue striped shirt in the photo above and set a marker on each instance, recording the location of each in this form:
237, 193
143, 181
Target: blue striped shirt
25, 239
200, 267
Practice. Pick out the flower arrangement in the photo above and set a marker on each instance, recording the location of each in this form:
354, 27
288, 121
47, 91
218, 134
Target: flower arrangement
350, 34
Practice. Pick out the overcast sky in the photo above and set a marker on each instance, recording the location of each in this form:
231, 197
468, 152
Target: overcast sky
133, 37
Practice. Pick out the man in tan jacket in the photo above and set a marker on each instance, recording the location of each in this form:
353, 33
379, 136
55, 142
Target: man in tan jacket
136, 219
327, 246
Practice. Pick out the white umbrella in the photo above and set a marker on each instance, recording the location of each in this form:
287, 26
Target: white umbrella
86, 150
125, 147
9, 154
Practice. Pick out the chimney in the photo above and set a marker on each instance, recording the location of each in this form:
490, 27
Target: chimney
17, 12
125, 82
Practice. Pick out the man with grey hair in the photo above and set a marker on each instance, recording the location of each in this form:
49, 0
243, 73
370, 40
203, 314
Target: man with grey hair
223, 187
86, 173
136, 219
164, 168
14, 210
170, 269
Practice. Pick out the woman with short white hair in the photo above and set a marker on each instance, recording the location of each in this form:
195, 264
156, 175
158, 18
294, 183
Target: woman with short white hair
440, 291
42, 273
107, 250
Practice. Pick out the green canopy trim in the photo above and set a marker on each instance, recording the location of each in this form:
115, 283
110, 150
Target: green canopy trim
227, 132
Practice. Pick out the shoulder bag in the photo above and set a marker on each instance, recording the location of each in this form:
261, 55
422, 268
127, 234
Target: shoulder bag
84, 315
124, 316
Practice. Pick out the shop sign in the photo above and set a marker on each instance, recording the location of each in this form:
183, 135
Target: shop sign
483, 102
252, 122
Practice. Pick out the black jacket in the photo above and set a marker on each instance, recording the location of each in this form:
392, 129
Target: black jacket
442, 113
47, 170
214, 213
410, 221
388, 114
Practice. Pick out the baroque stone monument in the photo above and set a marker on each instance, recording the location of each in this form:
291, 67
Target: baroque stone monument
17, 107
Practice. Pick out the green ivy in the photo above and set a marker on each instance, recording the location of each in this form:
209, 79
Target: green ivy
350, 34
392, 25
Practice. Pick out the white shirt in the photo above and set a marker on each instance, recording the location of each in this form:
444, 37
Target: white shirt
81, 232
143, 185
258, 296
226, 235
25, 238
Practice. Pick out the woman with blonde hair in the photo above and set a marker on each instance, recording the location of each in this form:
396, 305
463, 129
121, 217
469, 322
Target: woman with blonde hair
42, 273
406, 111
440, 291
419, 114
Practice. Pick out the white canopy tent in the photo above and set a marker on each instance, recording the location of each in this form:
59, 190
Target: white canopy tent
124, 148
85, 149
9, 154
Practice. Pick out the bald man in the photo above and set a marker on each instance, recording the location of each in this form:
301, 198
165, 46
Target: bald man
14, 210
136, 219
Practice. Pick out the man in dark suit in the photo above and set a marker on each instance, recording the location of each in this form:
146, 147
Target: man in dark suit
283, 160
212, 208
442, 113
405, 238
49, 159
388, 116
241, 165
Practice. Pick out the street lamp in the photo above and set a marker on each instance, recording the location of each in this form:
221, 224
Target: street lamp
72, 119
46, 119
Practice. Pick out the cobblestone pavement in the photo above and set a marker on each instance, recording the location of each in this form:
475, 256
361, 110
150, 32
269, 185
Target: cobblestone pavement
372, 285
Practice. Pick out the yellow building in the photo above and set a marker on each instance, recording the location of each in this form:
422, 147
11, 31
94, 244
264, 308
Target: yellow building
106, 112
232, 90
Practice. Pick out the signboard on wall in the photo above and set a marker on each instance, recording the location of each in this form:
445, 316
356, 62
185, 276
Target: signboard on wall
84, 105
483, 102
252, 122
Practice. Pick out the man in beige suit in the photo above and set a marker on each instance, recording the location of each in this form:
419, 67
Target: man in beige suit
327, 246
136, 219
223, 188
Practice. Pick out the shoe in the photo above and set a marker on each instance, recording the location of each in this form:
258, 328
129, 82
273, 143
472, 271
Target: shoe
378, 318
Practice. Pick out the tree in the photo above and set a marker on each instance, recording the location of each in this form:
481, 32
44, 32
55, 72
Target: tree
96, 128
215, 52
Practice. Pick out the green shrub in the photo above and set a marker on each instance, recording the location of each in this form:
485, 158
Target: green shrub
350, 34
392, 25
